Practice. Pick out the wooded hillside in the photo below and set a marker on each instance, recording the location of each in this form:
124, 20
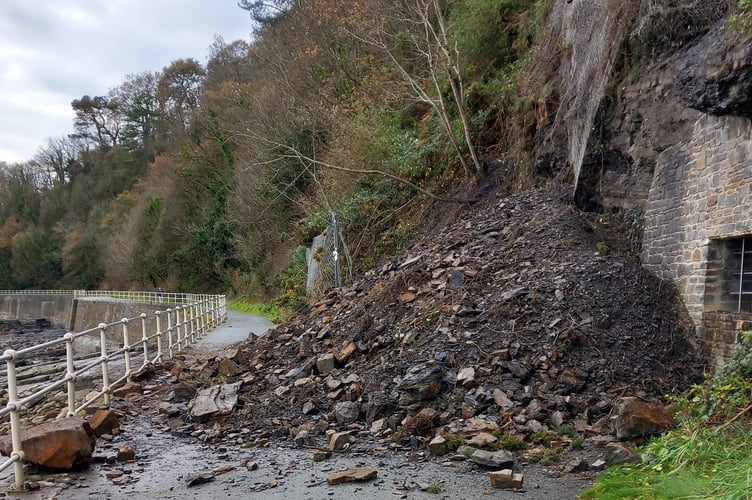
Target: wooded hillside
207, 178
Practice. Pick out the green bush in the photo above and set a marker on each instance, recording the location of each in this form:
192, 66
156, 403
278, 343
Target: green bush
293, 282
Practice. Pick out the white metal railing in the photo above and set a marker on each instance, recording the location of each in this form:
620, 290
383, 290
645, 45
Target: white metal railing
166, 332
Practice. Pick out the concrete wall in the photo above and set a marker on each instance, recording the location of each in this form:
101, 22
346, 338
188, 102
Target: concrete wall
700, 196
55, 308
90, 312
74, 314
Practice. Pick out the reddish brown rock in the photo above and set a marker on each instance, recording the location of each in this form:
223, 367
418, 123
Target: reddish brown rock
227, 368
58, 444
343, 355
438, 446
348, 476
104, 422
126, 453
339, 441
128, 388
632, 418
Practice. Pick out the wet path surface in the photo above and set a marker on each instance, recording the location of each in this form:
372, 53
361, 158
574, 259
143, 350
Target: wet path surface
236, 329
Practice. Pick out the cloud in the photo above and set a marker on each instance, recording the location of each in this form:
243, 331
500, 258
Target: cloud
52, 52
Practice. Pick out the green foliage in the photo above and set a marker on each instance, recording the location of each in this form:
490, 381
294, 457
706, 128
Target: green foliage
708, 455
485, 33
741, 20
435, 488
35, 260
269, 311
454, 441
509, 442
210, 206
293, 282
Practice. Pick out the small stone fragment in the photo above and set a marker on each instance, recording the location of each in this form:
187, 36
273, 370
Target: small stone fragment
325, 363
339, 441
496, 459
438, 446
466, 377
126, 453
346, 352
506, 479
196, 479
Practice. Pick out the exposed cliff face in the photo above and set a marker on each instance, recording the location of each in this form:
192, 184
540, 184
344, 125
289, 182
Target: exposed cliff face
678, 64
670, 144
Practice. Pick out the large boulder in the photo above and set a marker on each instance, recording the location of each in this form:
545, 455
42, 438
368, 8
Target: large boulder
631, 417
214, 401
58, 444
422, 382
104, 421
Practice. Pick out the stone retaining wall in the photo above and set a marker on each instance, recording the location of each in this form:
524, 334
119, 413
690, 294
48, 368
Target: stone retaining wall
701, 196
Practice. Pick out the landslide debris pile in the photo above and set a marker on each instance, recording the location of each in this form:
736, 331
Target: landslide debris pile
516, 312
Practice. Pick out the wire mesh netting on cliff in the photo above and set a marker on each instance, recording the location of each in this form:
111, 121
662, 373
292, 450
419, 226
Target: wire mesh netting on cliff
665, 25
329, 262
583, 38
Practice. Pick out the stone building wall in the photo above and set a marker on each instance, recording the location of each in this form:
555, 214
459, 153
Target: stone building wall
700, 197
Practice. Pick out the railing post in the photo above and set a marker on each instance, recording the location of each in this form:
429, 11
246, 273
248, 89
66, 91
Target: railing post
105, 363
169, 331
126, 348
192, 309
212, 310
178, 327
145, 339
186, 325
159, 336
70, 374
207, 316
200, 320
15, 421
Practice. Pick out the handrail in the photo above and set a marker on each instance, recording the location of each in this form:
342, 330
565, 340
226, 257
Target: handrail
193, 316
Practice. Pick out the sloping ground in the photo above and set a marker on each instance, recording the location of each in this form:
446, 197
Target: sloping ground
514, 298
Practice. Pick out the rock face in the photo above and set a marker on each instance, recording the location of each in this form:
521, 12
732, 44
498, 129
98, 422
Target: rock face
59, 444
716, 75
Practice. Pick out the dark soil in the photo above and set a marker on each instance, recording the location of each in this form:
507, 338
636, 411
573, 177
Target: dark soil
533, 294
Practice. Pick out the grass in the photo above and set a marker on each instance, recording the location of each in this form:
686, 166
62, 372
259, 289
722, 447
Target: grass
707, 456
435, 488
711, 466
267, 310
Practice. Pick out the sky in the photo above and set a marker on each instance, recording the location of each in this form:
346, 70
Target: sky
54, 51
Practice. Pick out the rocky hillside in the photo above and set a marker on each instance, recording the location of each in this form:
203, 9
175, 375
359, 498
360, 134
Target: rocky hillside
522, 309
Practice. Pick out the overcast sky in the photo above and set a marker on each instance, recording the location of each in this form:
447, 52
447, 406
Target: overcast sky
54, 51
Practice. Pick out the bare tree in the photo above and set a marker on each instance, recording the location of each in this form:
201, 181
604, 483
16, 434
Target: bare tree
55, 157
415, 38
